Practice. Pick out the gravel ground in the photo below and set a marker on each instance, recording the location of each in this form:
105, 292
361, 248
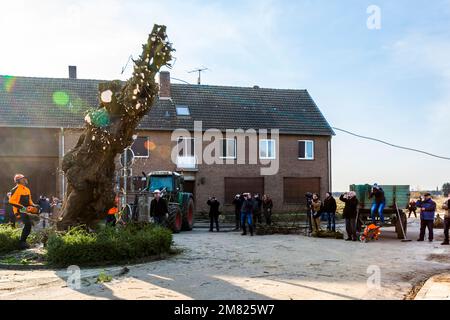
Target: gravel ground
223, 266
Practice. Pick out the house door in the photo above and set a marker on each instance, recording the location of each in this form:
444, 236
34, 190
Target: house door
234, 186
189, 186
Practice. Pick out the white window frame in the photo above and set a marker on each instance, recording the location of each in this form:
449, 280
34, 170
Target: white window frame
306, 149
184, 139
148, 151
226, 156
266, 142
184, 108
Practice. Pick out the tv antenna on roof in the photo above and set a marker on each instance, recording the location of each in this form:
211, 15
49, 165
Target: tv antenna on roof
199, 70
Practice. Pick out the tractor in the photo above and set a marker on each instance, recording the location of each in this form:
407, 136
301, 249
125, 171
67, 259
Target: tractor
181, 204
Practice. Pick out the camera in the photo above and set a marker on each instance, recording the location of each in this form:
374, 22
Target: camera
309, 199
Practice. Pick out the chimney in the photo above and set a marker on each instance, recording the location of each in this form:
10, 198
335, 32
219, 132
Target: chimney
72, 72
164, 85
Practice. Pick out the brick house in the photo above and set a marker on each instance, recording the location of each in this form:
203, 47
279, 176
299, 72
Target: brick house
41, 119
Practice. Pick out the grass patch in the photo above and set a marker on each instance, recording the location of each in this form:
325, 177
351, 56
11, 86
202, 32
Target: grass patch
107, 245
103, 278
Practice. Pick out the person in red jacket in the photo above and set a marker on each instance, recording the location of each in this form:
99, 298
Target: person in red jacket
22, 205
111, 217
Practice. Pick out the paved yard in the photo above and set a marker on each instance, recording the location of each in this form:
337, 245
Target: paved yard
229, 266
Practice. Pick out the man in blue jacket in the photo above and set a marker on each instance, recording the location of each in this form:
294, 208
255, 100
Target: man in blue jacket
427, 212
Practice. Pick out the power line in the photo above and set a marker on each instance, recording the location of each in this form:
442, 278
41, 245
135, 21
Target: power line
392, 145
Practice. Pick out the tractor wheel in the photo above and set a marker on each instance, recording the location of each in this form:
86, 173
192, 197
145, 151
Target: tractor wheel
188, 218
175, 220
398, 226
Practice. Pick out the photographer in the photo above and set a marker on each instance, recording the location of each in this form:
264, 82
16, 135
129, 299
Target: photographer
257, 205
446, 207
237, 203
267, 208
329, 208
412, 208
309, 212
350, 214
214, 213
247, 212
316, 212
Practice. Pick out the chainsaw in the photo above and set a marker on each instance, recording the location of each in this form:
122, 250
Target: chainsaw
32, 212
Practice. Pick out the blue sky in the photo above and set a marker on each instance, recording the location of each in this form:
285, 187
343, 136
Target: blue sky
392, 83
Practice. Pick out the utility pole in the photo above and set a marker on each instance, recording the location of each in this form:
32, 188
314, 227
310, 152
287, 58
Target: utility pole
199, 70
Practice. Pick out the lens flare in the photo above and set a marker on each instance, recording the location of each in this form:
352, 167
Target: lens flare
150, 145
99, 118
8, 83
61, 98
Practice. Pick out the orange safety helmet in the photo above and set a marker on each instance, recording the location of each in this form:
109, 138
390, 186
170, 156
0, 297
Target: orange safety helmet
17, 177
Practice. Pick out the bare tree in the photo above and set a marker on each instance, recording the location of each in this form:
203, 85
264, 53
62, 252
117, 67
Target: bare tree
109, 129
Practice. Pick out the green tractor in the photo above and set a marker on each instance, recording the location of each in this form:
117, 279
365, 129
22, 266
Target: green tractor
181, 204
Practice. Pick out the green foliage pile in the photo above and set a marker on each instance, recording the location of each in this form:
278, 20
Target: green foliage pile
328, 234
107, 245
9, 239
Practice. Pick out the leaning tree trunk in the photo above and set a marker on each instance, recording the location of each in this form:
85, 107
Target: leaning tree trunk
109, 129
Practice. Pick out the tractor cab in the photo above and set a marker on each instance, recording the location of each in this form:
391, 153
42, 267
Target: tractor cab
169, 183
181, 204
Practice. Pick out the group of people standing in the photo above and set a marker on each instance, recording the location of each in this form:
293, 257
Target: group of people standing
248, 209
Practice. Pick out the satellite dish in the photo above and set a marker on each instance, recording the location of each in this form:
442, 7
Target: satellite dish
130, 158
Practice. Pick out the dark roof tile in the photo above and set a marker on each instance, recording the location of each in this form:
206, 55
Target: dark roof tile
50, 102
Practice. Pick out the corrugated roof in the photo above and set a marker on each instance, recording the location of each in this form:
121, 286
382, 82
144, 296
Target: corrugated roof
51, 102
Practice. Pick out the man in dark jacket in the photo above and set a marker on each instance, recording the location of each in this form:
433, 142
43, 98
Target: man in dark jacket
379, 202
267, 204
350, 214
257, 205
45, 206
446, 207
329, 208
247, 214
427, 214
159, 209
412, 208
237, 203
214, 213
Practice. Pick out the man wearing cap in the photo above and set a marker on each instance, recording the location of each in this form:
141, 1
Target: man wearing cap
427, 213
379, 202
159, 209
20, 199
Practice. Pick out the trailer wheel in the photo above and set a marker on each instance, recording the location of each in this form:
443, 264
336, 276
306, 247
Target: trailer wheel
398, 226
175, 219
188, 218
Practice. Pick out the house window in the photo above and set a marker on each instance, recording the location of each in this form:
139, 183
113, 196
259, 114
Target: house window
306, 150
140, 147
228, 149
183, 110
186, 159
186, 147
267, 149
